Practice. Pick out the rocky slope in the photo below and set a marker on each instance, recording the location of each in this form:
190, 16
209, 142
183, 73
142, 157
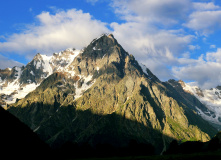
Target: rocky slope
105, 96
17, 82
210, 100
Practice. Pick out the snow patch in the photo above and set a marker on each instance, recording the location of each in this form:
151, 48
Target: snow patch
14, 91
208, 97
29, 81
94, 48
144, 68
19, 72
37, 64
85, 86
103, 56
36, 129
46, 64
32, 73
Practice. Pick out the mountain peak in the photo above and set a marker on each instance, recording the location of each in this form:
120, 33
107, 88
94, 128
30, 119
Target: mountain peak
105, 38
108, 82
38, 56
105, 45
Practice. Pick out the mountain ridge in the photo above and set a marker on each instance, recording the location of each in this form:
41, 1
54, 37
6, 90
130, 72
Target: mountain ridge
209, 98
105, 82
17, 82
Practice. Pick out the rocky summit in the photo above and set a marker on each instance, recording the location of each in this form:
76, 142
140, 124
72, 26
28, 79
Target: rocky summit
102, 95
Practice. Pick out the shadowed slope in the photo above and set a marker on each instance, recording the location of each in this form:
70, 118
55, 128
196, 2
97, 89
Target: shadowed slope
18, 141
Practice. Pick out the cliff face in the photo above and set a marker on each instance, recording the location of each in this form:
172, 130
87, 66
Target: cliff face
106, 96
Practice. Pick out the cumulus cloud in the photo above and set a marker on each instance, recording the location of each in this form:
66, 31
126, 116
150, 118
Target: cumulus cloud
205, 18
214, 56
207, 75
205, 70
164, 12
205, 22
55, 32
202, 6
5, 62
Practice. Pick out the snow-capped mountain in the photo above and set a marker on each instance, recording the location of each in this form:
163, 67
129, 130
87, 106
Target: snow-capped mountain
210, 98
102, 95
17, 82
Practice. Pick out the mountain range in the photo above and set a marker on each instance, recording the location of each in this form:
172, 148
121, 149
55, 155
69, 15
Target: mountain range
103, 95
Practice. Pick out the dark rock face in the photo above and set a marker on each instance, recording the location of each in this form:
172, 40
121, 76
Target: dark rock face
32, 73
105, 97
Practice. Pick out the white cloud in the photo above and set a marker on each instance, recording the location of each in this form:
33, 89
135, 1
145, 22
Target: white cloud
5, 62
212, 46
207, 75
92, 1
205, 70
205, 6
205, 22
71, 28
157, 48
205, 17
163, 48
163, 12
214, 56
194, 47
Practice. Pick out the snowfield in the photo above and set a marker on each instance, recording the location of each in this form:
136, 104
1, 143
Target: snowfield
211, 98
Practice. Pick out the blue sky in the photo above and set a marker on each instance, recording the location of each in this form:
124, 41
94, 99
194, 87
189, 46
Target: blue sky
174, 39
